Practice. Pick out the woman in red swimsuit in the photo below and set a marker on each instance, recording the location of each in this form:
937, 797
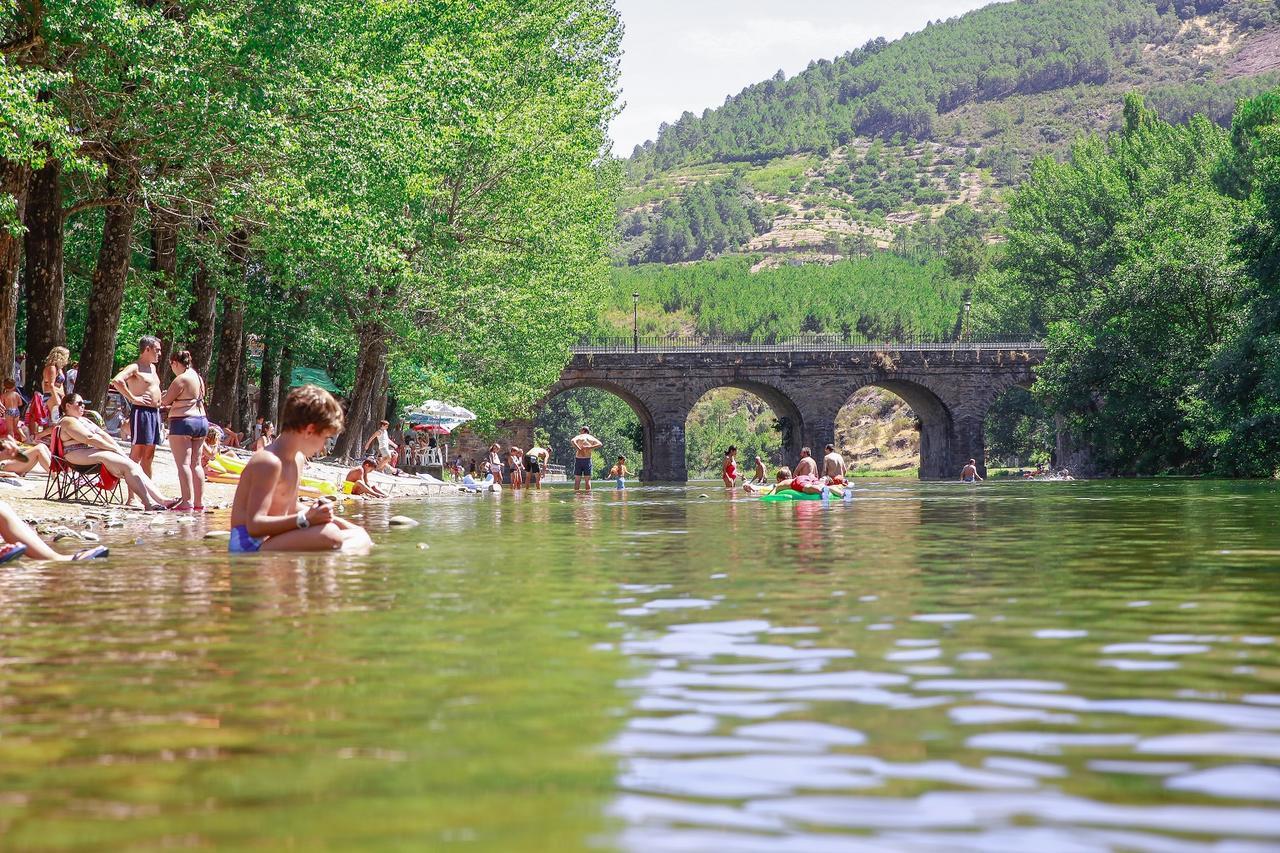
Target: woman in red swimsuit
730, 471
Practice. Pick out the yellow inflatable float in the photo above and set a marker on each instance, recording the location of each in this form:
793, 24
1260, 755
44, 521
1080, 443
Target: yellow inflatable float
227, 469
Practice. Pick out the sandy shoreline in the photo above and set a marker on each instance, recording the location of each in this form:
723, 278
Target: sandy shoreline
27, 499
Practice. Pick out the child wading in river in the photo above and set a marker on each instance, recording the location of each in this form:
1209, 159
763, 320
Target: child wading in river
266, 514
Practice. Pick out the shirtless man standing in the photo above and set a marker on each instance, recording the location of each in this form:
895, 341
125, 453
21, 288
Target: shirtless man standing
140, 385
584, 443
970, 473
806, 467
833, 466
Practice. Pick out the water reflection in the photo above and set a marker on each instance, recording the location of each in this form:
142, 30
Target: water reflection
1077, 666
963, 673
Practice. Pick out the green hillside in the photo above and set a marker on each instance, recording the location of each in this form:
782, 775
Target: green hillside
845, 157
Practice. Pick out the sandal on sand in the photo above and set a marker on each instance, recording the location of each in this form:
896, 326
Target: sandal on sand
11, 551
97, 552
181, 507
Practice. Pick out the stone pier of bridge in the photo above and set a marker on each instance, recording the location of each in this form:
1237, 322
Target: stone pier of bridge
949, 387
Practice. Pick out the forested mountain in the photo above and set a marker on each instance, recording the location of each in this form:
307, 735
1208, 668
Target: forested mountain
868, 150
1006, 49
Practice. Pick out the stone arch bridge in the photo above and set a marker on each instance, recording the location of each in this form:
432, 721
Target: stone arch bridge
949, 386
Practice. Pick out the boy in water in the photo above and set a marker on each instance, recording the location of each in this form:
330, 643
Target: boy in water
619, 472
266, 514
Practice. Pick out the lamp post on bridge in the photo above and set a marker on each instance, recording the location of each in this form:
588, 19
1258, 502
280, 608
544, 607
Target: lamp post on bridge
964, 323
635, 322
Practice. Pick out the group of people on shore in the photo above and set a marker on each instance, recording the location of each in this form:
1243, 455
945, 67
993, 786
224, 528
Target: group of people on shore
266, 511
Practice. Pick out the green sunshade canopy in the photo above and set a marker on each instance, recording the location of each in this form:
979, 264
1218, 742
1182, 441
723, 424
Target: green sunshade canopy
313, 376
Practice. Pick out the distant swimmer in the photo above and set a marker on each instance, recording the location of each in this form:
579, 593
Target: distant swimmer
806, 467
970, 472
833, 466
761, 476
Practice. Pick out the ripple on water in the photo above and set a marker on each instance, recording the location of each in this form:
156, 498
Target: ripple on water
1238, 781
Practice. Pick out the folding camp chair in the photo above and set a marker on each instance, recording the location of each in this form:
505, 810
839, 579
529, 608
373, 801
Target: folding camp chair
90, 484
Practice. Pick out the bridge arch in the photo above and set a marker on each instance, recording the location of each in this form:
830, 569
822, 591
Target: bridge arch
779, 400
640, 407
933, 415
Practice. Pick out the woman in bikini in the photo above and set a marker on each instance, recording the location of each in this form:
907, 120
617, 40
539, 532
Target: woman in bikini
53, 380
85, 443
188, 426
729, 473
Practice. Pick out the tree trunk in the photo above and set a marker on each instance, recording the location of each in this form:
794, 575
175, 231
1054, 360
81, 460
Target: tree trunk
269, 384
373, 353
222, 408
106, 292
164, 263
243, 414
378, 410
202, 317
282, 389
14, 178
230, 351
46, 289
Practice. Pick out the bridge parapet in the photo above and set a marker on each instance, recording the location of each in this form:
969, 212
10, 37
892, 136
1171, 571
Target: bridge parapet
810, 343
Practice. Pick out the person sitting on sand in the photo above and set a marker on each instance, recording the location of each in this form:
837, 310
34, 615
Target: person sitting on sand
86, 443
20, 538
266, 514
17, 461
266, 435
209, 448
358, 477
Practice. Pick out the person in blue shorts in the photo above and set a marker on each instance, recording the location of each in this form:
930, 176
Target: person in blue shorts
584, 444
140, 385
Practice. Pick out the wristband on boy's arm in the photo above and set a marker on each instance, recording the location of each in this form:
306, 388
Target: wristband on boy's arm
303, 522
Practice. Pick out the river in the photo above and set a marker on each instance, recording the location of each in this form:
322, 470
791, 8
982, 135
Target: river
1014, 666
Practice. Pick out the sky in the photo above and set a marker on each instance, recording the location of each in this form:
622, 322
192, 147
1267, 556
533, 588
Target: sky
689, 54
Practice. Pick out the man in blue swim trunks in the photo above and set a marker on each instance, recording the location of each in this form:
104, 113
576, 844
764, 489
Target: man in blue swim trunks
140, 385
584, 444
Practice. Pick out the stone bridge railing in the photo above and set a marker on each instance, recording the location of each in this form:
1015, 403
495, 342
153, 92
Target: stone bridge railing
852, 342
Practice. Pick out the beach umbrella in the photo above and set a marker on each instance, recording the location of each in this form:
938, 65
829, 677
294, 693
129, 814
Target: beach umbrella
439, 414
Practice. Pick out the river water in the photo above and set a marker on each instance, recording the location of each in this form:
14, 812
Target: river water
1021, 666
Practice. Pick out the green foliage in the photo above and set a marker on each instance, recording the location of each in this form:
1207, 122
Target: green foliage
709, 218
881, 296
1018, 431
1123, 258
